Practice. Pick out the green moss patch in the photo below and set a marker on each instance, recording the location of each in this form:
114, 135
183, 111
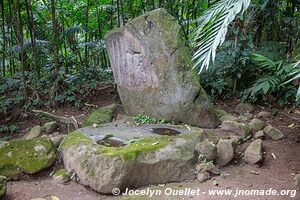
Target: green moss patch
75, 138
100, 116
29, 156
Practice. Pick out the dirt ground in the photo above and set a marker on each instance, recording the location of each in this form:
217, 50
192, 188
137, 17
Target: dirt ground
276, 173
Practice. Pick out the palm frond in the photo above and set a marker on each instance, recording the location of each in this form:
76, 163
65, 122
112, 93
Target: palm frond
212, 31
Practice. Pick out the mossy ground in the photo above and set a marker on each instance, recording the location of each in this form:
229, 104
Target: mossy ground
20, 155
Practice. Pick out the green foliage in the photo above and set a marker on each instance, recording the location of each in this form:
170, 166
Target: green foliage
144, 119
269, 82
9, 129
296, 76
232, 66
212, 30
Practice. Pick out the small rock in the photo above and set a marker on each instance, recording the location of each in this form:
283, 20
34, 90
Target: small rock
225, 152
257, 124
50, 127
56, 140
245, 117
243, 108
207, 167
229, 118
264, 114
100, 116
207, 149
39, 148
33, 133
61, 176
3, 183
254, 152
203, 177
273, 133
238, 128
259, 135
297, 180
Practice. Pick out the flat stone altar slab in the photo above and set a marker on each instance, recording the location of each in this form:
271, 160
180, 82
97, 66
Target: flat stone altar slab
128, 131
149, 159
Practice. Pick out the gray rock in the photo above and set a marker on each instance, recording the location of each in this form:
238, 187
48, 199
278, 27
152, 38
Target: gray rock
35, 132
245, 117
152, 68
3, 183
259, 135
243, 108
147, 161
50, 127
257, 124
228, 118
57, 139
273, 133
208, 167
203, 176
206, 149
254, 152
61, 176
264, 114
297, 180
239, 128
225, 152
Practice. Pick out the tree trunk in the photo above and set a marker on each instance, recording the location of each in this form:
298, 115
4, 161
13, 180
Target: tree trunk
20, 27
3, 35
33, 42
54, 37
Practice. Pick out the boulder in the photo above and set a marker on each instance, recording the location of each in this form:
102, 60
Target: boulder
243, 108
61, 176
273, 133
264, 114
146, 161
225, 151
3, 182
203, 176
29, 156
152, 68
259, 135
221, 112
257, 124
206, 150
254, 152
100, 116
35, 132
50, 127
240, 129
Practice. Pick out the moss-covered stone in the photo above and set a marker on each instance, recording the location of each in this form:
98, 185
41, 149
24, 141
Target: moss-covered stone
100, 116
50, 127
29, 156
3, 182
35, 132
130, 151
61, 176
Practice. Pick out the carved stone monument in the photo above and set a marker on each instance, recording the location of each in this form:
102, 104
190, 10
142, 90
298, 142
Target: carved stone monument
152, 70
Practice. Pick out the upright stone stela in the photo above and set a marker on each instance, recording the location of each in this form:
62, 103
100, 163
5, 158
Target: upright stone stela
152, 70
